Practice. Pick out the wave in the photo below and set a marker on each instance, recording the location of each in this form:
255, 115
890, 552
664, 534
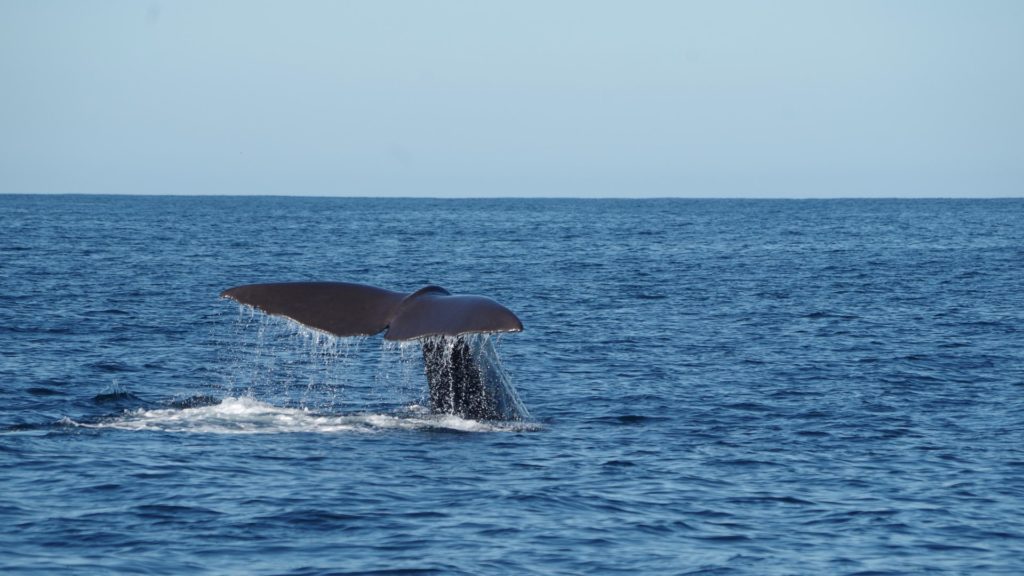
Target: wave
244, 415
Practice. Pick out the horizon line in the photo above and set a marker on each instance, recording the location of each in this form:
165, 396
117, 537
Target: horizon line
507, 197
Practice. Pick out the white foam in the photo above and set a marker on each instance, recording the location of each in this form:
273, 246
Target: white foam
249, 416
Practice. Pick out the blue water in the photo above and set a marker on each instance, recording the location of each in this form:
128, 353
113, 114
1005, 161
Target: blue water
715, 387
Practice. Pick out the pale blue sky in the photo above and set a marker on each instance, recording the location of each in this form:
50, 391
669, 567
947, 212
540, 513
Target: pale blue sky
478, 98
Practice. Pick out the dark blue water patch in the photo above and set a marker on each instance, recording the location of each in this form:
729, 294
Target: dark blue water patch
44, 391
111, 366
630, 419
721, 387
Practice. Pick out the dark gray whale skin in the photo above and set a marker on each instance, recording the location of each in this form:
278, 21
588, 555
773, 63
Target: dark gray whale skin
454, 376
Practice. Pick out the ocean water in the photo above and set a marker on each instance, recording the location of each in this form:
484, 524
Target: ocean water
714, 387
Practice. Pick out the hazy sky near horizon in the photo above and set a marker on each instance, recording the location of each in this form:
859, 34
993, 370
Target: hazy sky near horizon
524, 98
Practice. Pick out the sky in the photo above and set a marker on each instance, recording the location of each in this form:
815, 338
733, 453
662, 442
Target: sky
520, 98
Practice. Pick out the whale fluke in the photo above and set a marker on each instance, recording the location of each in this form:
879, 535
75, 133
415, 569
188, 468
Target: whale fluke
345, 309
463, 374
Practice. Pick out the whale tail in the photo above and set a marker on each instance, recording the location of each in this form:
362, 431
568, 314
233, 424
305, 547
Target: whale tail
345, 309
462, 368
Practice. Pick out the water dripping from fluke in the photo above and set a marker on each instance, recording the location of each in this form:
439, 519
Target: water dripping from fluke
466, 378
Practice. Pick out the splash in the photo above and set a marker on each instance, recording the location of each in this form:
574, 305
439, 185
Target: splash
242, 415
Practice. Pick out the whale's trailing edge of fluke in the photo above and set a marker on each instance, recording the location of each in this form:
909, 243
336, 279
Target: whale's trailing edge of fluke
346, 309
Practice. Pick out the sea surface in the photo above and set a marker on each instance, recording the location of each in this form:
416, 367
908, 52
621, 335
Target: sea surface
714, 387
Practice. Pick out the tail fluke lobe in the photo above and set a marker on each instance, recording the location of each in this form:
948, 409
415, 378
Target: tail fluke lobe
340, 308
